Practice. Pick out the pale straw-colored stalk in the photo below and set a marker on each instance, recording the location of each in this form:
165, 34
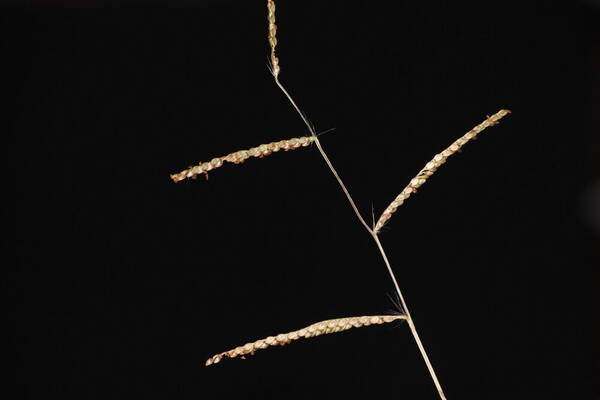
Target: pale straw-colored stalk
275, 69
317, 329
330, 326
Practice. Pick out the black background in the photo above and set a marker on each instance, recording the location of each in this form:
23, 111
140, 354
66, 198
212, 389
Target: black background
125, 283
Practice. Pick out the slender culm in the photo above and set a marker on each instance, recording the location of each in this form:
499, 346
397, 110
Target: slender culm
372, 231
335, 325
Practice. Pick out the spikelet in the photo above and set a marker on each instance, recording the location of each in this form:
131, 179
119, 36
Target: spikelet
272, 37
241, 156
433, 165
320, 328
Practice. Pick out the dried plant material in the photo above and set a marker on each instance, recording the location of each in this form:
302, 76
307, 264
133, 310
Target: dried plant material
272, 37
241, 156
320, 328
433, 165
335, 325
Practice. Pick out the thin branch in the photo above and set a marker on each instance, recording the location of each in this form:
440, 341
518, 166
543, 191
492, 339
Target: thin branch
317, 329
239, 157
433, 165
323, 154
411, 324
276, 70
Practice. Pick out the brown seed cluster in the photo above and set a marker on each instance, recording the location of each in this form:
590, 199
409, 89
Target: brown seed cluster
433, 165
272, 36
242, 155
320, 328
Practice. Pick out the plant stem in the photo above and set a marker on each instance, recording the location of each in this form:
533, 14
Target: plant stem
373, 234
411, 324
323, 154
